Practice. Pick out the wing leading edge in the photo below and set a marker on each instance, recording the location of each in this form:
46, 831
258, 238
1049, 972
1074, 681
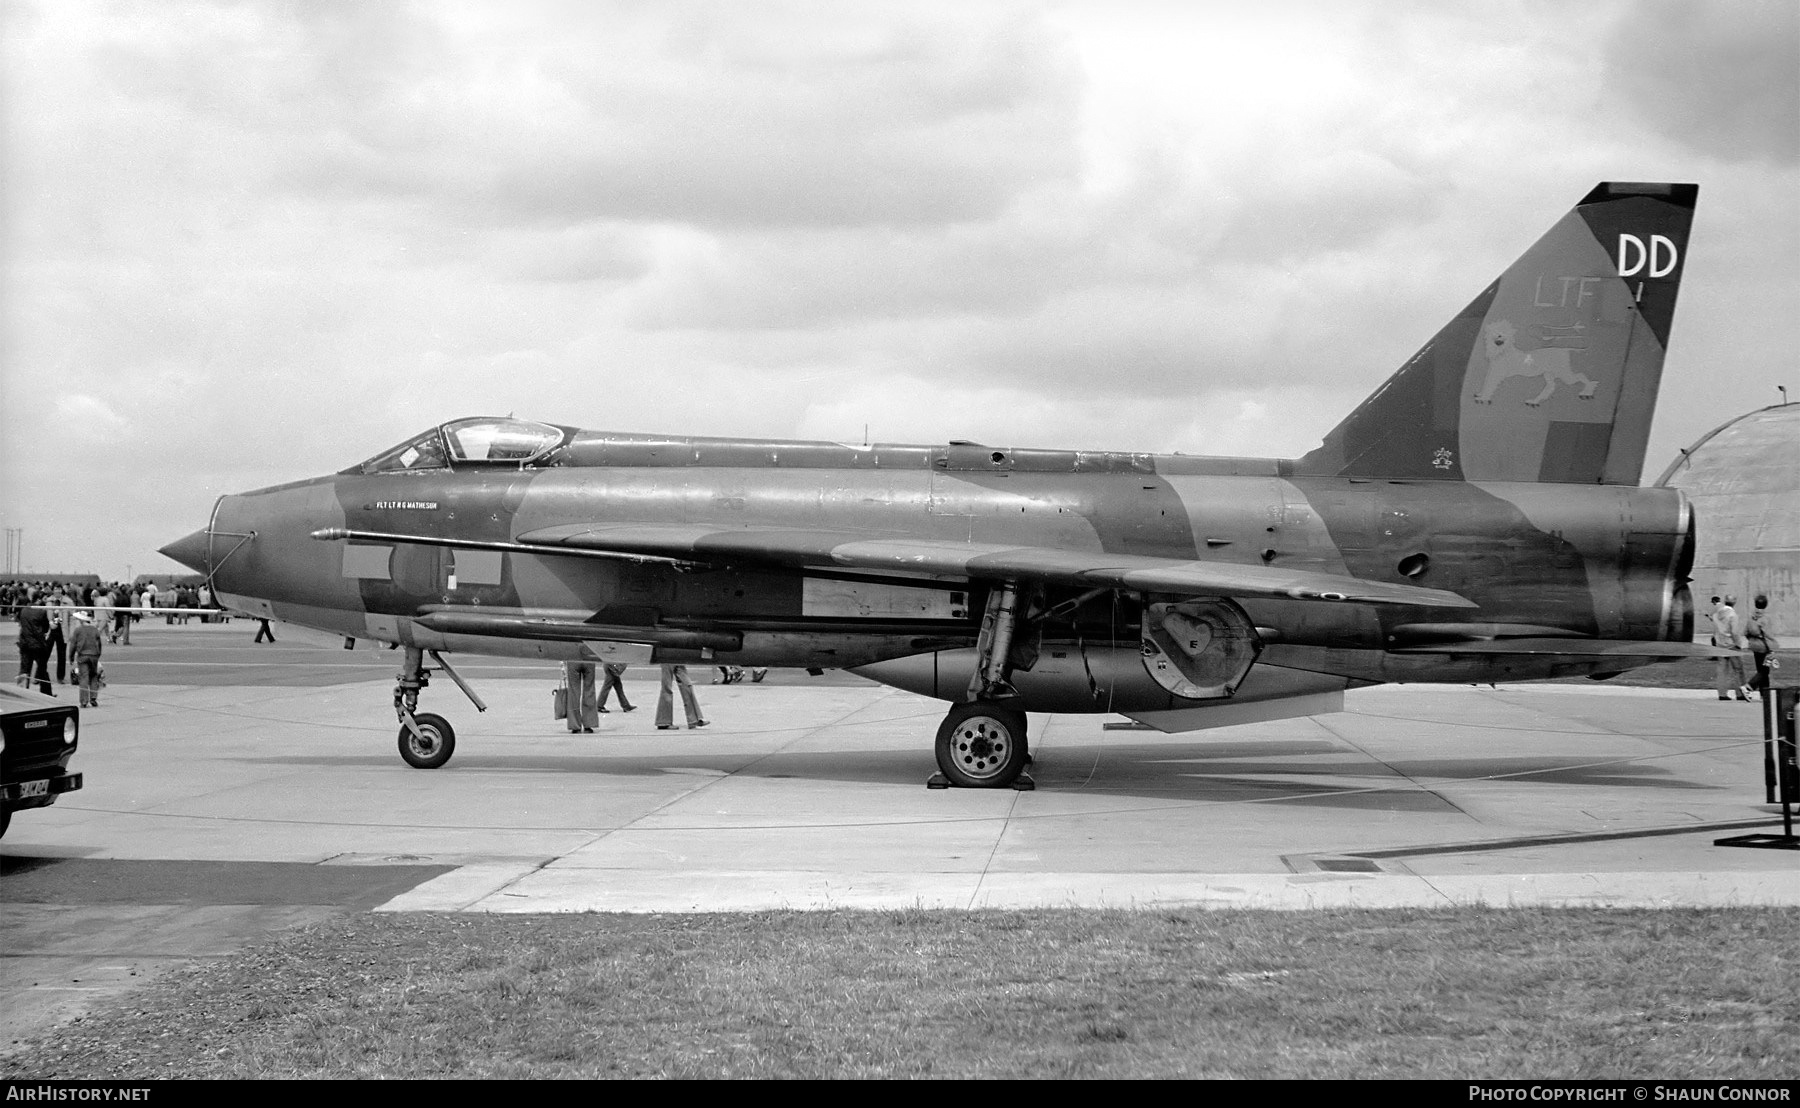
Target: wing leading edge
1575, 648
830, 550
816, 549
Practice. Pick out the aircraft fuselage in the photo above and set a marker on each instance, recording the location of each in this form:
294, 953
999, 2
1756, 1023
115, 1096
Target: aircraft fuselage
1475, 518
1592, 561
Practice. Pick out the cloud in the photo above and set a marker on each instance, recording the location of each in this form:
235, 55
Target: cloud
1281, 422
1721, 77
87, 418
711, 115
1207, 227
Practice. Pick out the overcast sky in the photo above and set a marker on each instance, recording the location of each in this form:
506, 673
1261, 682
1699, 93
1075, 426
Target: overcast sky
250, 242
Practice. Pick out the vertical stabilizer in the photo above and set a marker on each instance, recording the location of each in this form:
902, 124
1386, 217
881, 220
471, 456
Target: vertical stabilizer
1550, 374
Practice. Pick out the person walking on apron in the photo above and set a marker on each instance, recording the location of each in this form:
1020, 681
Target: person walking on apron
583, 707
614, 681
665, 700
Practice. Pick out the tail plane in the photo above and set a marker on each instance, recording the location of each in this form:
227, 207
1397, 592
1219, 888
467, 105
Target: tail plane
1551, 374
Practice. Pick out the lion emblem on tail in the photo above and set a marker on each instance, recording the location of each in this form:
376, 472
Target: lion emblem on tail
1506, 360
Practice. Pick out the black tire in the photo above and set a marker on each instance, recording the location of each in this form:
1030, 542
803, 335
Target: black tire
439, 742
5, 821
982, 746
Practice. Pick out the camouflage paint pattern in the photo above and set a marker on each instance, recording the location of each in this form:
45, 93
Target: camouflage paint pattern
1475, 518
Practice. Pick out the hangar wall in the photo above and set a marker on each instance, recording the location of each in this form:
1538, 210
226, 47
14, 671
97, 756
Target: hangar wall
1744, 481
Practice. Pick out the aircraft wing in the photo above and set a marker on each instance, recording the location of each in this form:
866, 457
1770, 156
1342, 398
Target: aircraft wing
819, 549
1584, 648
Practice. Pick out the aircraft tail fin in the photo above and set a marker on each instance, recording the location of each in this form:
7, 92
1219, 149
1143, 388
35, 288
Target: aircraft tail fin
1550, 374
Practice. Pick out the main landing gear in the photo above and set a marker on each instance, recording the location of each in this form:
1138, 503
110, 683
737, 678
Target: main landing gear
426, 739
982, 746
982, 743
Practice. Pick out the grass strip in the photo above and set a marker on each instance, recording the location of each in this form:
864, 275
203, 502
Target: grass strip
1453, 993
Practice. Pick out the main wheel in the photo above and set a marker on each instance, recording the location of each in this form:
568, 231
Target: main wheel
433, 745
982, 746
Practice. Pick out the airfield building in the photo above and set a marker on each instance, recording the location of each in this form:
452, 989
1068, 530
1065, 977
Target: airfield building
1744, 481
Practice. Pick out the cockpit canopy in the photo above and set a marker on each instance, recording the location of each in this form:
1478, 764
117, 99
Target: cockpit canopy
482, 441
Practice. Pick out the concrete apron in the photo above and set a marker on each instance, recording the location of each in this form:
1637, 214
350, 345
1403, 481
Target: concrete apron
806, 797
801, 797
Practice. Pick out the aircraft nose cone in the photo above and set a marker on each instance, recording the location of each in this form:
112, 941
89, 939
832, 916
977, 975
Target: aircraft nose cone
191, 551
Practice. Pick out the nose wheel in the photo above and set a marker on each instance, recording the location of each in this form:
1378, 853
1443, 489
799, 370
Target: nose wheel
426, 739
982, 746
431, 745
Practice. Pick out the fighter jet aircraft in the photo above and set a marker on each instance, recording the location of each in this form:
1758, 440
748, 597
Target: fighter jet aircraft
1477, 518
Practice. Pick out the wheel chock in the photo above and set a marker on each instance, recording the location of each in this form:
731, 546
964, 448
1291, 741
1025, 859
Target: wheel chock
1022, 783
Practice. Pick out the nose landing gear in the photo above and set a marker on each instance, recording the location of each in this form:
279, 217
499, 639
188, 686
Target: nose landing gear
426, 739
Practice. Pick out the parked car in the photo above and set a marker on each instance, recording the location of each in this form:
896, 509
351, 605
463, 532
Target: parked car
38, 735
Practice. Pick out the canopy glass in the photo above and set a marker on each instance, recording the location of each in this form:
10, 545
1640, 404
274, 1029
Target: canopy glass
481, 441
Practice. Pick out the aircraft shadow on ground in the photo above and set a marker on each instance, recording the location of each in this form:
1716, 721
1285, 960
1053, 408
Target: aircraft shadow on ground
35, 879
1270, 772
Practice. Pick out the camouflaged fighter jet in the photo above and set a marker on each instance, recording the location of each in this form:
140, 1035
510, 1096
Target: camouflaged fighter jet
1476, 519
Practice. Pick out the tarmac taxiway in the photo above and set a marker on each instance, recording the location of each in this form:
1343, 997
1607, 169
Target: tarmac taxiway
232, 788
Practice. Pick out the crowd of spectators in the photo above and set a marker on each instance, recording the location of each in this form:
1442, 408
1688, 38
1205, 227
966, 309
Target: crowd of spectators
115, 594
16, 594
57, 616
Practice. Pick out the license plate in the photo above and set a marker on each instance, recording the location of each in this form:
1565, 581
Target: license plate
34, 788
